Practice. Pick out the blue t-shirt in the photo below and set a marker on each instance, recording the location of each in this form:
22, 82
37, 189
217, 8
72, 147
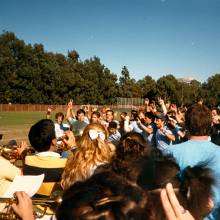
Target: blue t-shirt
151, 137
115, 138
162, 141
175, 132
194, 152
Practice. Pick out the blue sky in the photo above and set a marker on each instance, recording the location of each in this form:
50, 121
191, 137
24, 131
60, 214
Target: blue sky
150, 37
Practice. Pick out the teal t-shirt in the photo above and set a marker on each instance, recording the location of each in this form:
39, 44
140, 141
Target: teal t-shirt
194, 152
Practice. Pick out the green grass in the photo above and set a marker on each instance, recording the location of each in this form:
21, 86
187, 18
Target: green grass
15, 125
20, 118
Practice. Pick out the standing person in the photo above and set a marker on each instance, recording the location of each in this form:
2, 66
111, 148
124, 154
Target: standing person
77, 123
133, 125
95, 117
109, 117
114, 135
198, 149
177, 130
164, 135
60, 127
149, 128
215, 130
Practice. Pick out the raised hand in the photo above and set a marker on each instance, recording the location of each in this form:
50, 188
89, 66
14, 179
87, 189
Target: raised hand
171, 205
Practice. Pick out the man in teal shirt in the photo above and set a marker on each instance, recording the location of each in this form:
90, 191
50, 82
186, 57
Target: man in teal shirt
198, 149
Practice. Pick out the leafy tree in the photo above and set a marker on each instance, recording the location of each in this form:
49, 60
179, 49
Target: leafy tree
29, 74
148, 87
212, 91
128, 87
73, 55
167, 87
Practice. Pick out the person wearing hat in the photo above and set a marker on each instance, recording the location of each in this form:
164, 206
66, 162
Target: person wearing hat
164, 135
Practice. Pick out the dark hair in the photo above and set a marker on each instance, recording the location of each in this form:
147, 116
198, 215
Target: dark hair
197, 185
134, 114
105, 196
193, 185
112, 124
195, 190
79, 111
198, 120
124, 114
216, 109
150, 115
41, 135
59, 114
97, 113
109, 110
131, 146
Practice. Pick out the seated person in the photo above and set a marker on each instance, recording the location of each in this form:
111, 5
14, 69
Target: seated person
8, 171
24, 208
42, 138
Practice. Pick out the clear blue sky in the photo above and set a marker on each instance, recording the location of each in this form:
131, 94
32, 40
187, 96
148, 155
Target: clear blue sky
150, 37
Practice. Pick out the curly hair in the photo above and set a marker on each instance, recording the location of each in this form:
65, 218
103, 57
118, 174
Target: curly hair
89, 154
132, 146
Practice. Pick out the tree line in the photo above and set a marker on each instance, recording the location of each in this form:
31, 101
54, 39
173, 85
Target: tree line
29, 74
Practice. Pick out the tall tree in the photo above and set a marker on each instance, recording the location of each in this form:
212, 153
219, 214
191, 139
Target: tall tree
148, 87
127, 86
212, 91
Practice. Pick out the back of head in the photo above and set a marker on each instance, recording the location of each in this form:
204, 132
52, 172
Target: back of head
131, 147
133, 144
197, 185
86, 141
41, 135
193, 185
92, 150
105, 196
198, 120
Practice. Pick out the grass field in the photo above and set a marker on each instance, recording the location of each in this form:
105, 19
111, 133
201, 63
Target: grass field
15, 125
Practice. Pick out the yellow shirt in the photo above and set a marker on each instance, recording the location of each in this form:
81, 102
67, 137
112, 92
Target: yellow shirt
7, 173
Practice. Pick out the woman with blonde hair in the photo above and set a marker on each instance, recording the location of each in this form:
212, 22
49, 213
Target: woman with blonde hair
92, 151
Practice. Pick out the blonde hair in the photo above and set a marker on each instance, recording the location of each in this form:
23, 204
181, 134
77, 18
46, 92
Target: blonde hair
89, 154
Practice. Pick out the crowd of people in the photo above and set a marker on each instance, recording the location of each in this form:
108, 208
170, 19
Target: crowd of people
161, 162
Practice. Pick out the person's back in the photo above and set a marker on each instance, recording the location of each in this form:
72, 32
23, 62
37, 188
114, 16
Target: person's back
199, 149
42, 138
